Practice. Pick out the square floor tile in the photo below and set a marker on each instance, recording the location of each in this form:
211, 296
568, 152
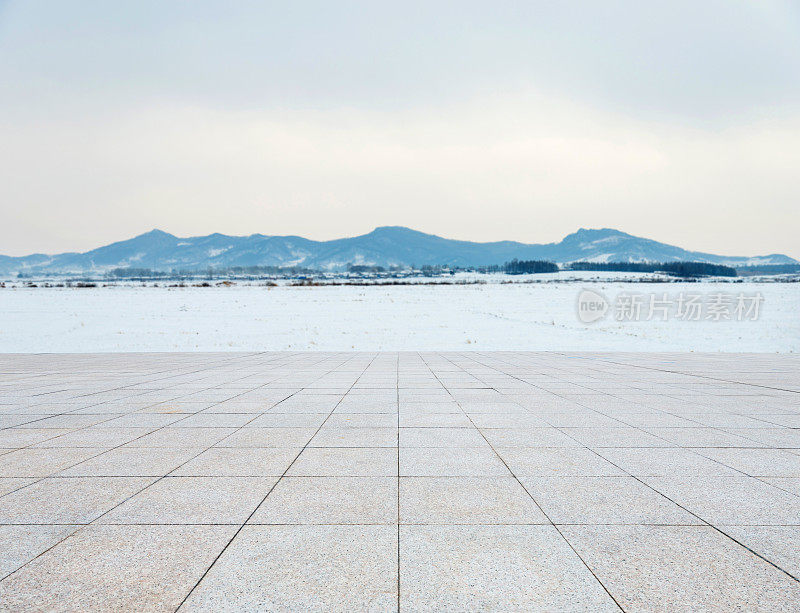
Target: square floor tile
441, 437
239, 462
34, 463
9, 484
125, 568
528, 437
789, 484
435, 420
73, 500
288, 420
193, 500
22, 437
171, 437
453, 462
778, 544
268, 437
142, 420
132, 461
664, 462
466, 500
492, 568
556, 461
21, 544
214, 420
702, 437
96, 437
355, 437
682, 568
345, 462
361, 420
330, 500
303, 568
615, 437
757, 462
730, 500
603, 500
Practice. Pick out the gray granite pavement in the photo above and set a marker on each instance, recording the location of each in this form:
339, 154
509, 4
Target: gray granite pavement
413, 481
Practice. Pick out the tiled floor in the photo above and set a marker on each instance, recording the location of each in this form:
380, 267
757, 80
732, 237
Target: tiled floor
431, 481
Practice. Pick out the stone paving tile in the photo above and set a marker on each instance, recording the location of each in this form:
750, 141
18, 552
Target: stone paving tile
361, 420
556, 461
239, 462
435, 420
757, 462
268, 437
507, 420
330, 500
20, 544
213, 420
789, 484
450, 462
355, 437
131, 461
9, 484
769, 437
664, 462
703, 437
42, 462
730, 500
23, 437
172, 437
528, 437
345, 462
466, 500
303, 568
790, 420
681, 568
95, 436
485, 568
119, 568
625, 436
780, 544
193, 500
288, 420
413, 481
441, 437
9, 421
74, 500
603, 500
142, 420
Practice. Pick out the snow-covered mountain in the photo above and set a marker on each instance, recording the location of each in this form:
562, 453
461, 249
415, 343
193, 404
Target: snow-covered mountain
385, 246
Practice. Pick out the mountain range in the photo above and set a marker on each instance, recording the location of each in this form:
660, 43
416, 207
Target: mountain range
384, 246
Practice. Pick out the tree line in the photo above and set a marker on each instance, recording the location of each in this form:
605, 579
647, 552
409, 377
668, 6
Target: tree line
521, 267
679, 269
514, 267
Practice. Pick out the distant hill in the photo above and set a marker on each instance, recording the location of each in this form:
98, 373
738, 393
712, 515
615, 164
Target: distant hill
385, 246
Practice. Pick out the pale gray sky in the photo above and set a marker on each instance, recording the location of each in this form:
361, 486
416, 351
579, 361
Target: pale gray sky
675, 120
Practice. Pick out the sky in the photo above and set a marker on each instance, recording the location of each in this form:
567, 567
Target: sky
674, 120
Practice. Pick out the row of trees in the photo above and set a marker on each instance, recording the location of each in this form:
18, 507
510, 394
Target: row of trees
221, 271
514, 267
520, 267
679, 269
768, 269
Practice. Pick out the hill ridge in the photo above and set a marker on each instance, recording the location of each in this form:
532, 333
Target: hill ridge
383, 246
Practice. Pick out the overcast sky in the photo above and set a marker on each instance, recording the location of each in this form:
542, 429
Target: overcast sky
678, 121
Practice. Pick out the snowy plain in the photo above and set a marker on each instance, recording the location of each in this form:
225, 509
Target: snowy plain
540, 316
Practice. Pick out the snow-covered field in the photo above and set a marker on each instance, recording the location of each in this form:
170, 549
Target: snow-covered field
471, 317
